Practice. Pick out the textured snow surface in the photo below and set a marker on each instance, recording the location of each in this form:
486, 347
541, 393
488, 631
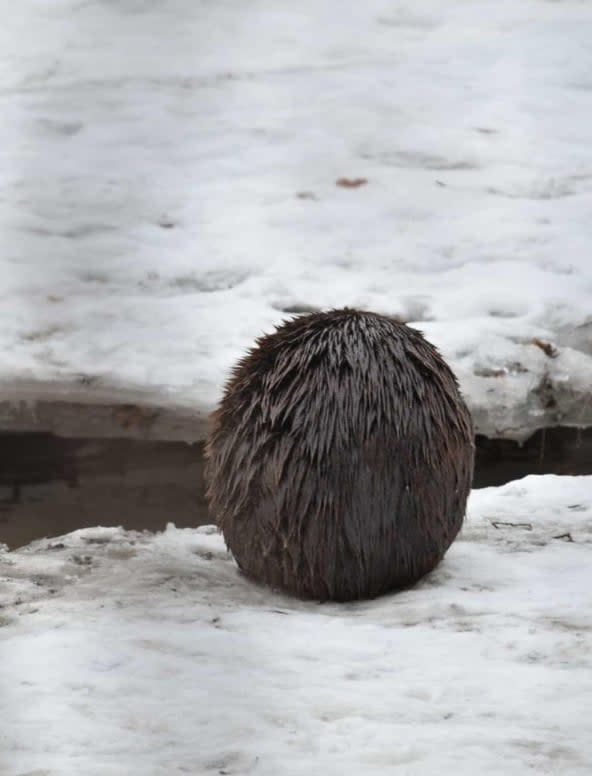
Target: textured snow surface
168, 189
129, 653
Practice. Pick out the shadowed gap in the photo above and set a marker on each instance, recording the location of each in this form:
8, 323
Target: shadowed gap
50, 485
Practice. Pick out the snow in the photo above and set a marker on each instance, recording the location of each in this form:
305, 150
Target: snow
168, 190
135, 653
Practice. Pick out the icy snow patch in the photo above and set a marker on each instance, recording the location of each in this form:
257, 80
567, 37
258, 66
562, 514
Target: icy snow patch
127, 652
169, 176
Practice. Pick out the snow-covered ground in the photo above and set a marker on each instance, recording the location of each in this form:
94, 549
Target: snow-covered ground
129, 653
168, 189
175, 178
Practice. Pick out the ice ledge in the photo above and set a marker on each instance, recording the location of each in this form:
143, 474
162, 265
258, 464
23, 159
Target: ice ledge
112, 411
545, 388
514, 405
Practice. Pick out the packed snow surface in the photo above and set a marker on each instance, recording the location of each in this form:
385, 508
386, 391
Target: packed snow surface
132, 653
177, 177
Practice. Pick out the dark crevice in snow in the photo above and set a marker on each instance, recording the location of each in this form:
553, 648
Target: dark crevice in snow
50, 485
557, 450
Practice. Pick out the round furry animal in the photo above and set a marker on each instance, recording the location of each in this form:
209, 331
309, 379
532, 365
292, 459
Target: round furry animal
341, 457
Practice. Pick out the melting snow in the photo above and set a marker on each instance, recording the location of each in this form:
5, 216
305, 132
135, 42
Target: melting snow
126, 652
169, 190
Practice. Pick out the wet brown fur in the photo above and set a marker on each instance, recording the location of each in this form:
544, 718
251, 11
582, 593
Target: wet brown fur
341, 457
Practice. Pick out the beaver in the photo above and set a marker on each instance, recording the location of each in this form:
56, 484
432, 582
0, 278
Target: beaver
340, 458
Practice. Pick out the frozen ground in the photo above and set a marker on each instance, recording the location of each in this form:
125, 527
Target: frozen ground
168, 190
128, 653
175, 178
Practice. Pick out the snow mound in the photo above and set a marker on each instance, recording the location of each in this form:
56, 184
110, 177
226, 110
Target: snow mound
126, 652
178, 177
